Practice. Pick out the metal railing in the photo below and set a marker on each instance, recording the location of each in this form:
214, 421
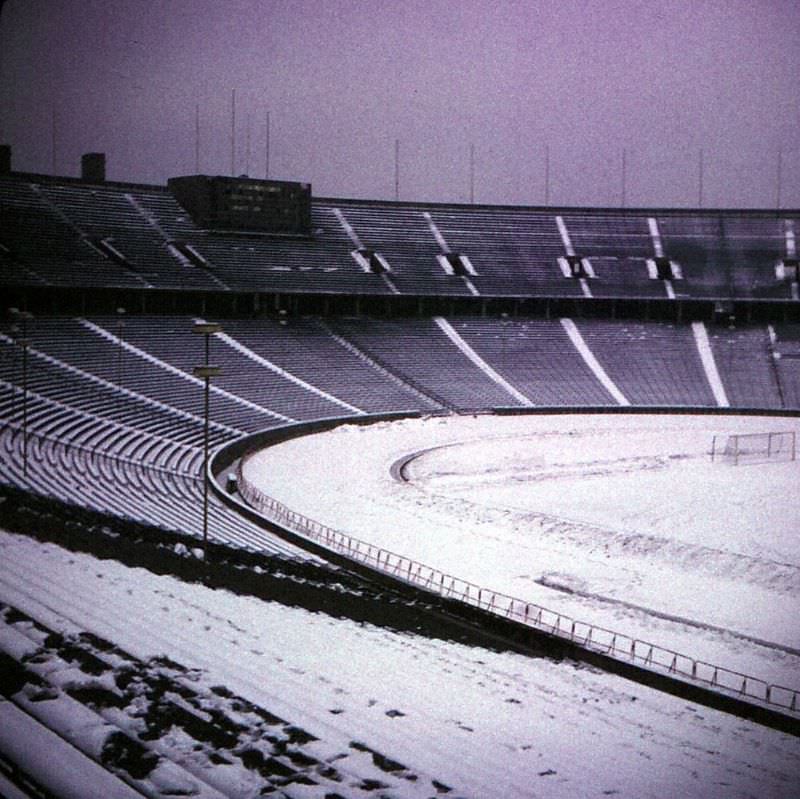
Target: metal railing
616, 645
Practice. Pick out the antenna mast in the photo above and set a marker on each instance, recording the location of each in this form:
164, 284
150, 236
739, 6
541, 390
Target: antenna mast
233, 132
266, 152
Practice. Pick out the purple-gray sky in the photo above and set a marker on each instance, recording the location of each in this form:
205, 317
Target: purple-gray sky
343, 79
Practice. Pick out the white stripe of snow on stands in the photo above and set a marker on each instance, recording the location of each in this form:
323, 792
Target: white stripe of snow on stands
101, 331
465, 348
253, 356
791, 243
126, 391
587, 292
669, 289
471, 286
592, 362
562, 229
709, 364
655, 235
773, 336
437, 234
348, 228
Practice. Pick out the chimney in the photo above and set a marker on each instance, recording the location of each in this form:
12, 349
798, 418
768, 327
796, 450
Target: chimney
93, 167
5, 159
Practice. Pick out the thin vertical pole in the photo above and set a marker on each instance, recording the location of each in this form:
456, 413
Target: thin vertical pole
700, 179
266, 152
547, 174
233, 132
472, 173
397, 169
624, 176
197, 139
53, 142
778, 181
247, 148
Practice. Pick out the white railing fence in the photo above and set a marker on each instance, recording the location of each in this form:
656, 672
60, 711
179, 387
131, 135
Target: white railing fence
616, 645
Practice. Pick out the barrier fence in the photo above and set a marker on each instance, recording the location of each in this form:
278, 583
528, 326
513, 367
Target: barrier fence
606, 642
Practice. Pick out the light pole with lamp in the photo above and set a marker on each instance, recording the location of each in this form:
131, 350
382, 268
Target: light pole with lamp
206, 372
23, 317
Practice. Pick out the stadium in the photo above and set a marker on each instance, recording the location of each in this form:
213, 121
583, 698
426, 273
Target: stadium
495, 349
460, 461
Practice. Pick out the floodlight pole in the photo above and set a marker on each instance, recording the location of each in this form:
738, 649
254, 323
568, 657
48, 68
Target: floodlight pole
206, 372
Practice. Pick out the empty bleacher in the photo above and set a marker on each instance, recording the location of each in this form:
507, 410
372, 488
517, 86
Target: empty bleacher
514, 251
652, 363
66, 232
746, 365
786, 354
537, 357
43, 248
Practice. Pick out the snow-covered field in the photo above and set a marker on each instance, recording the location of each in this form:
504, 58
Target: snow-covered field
619, 521
441, 715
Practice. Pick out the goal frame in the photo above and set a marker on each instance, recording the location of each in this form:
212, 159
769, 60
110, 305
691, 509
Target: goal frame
732, 447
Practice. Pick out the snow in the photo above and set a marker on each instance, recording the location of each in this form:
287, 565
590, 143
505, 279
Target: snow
54, 763
621, 521
483, 722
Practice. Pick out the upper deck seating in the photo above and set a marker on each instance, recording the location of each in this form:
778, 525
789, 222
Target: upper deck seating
40, 247
63, 232
403, 237
617, 245
515, 251
755, 246
108, 214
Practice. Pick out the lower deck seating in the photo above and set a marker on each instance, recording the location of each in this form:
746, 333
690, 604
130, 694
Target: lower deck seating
121, 430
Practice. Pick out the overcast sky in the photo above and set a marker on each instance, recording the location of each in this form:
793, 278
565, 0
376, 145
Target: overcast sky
344, 79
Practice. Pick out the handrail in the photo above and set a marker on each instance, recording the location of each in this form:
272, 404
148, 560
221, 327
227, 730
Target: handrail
601, 640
